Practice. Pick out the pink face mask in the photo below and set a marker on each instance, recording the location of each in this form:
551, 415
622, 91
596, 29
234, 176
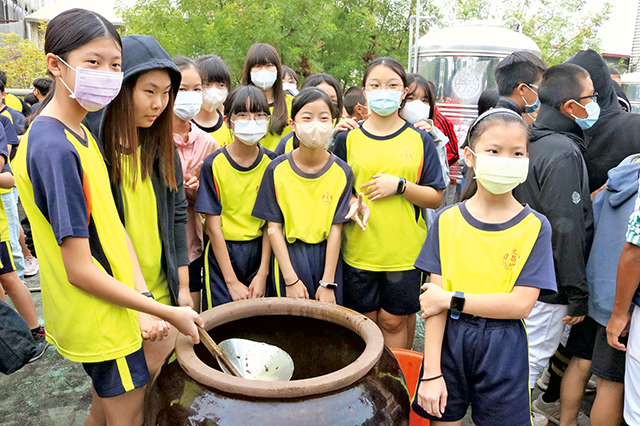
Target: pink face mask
94, 89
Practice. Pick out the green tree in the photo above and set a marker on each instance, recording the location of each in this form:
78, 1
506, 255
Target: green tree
311, 36
22, 60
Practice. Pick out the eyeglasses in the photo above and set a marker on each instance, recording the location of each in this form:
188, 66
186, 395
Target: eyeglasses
243, 117
594, 97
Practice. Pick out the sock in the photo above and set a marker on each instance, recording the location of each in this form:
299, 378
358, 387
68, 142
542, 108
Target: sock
557, 366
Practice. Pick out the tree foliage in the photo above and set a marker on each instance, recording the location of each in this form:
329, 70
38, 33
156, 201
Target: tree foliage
311, 36
22, 60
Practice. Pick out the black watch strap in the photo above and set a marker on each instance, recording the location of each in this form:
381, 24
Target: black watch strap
148, 294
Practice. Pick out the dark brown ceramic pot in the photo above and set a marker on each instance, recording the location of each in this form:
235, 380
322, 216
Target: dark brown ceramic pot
344, 375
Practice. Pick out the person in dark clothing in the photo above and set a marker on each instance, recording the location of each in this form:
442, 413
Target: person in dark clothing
557, 186
517, 77
615, 136
622, 97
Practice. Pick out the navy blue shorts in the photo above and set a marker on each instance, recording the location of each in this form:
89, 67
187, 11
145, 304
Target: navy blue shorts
397, 292
6, 258
117, 376
308, 262
196, 269
245, 259
485, 363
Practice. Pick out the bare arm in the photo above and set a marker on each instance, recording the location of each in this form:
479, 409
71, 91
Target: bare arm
279, 247
259, 282
514, 305
237, 290
383, 185
432, 394
423, 196
627, 280
330, 264
7, 181
84, 274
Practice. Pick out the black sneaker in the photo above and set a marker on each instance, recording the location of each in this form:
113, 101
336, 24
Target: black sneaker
41, 343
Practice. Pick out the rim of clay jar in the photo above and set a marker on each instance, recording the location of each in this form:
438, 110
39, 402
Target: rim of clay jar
358, 323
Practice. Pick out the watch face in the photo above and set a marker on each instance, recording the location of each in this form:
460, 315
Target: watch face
332, 286
457, 303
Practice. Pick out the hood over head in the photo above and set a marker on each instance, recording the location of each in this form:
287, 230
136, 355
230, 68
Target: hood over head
623, 180
598, 69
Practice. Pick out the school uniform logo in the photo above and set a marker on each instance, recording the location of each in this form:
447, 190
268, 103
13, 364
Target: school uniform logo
326, 198
257, 188
406, 156
510, 259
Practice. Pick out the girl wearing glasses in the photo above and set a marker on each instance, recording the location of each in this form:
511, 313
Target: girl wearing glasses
238, 253
396, 166
263, 69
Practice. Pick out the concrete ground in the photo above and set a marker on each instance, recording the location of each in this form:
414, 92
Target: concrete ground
53, 391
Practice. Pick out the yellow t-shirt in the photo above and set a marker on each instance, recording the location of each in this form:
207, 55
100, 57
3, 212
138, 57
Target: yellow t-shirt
65, 190
12, 101
220, 132
484, 258
141, 223
270, 141
306, 204
229, 190
396, 229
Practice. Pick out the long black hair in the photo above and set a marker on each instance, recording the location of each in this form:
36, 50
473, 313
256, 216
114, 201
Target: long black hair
314, 80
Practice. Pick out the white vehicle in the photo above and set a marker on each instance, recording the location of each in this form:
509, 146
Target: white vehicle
631, 87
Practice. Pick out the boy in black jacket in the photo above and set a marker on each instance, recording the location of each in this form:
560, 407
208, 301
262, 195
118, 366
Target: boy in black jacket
558, 187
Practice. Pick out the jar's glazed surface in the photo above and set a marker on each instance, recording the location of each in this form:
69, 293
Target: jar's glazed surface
343, 373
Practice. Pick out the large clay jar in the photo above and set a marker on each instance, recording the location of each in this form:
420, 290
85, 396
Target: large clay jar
344, 375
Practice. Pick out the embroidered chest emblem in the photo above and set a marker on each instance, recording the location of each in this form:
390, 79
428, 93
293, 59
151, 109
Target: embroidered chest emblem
406, 156
326, 198
510, 259
575, 197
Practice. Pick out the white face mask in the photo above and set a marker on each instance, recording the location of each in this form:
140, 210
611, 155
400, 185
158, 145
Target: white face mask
314, 134
264, 79
291, 88
500, 175
415, 111
213, 98
95, 89
187, 105
250, 132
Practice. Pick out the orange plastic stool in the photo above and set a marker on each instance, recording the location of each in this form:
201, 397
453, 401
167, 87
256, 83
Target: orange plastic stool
410, 362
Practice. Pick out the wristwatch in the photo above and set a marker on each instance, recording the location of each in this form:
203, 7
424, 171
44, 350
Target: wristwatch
457, 304
331, 286
148, 294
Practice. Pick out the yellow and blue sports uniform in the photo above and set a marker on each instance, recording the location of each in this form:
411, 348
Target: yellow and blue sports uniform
12, 101
270, 141
379, 271
17, 119
6, 258
229, 190
220, 132
485, 362
307, 205
141, 223
65, 191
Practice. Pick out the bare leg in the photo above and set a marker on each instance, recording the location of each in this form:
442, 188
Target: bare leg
436, 423
125, 409
411, 330
21, 298
25, 250
157, 352
607, 407
2, 295
96, 415
572, 389
373, 316
394, 329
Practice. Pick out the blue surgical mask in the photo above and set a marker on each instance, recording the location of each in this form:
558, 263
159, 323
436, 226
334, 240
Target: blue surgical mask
384, 102
593, 109
528, 109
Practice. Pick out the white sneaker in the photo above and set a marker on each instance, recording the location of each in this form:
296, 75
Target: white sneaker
591, 386
543, 380
551, 410
31, 266
538, 419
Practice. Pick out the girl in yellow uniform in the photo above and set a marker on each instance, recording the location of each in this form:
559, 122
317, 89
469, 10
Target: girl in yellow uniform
263, 69
237, 255
91, 280
216, 83
304, 196
396, 166
146, 174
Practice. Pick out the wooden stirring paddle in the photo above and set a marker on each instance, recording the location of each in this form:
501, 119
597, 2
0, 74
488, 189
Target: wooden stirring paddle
215, 351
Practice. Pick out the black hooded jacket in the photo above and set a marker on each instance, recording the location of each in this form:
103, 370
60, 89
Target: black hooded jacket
557, 186
139, 54
616, 134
